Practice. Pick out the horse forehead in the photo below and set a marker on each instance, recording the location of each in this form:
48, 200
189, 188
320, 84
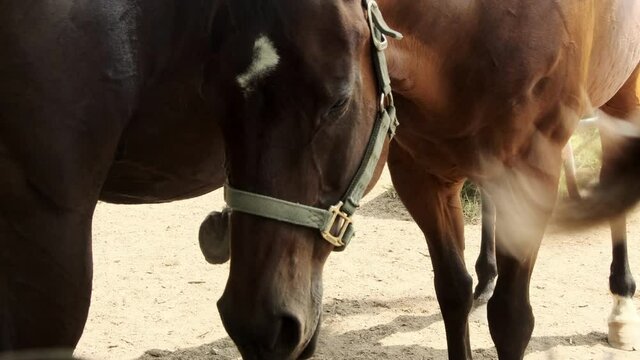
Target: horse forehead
265, 60
323, 34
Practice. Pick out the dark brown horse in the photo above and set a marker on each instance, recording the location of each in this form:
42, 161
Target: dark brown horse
121, 101
98, 100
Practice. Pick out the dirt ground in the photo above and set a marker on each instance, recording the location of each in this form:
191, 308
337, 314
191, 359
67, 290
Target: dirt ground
154, 295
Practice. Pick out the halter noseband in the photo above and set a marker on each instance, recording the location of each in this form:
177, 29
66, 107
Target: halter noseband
335, 224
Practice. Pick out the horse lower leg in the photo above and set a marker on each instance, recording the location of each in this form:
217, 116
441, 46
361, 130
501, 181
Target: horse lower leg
486, 267
510, 316
45, 288
569, 167
436, 207
45, 260
624, 322
524, 197
453, 289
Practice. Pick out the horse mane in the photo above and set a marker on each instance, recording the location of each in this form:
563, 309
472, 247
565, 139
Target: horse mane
252, 16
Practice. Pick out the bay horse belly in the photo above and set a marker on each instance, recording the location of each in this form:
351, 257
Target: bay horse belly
615, 50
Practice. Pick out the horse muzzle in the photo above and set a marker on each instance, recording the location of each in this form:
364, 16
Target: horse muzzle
271, 334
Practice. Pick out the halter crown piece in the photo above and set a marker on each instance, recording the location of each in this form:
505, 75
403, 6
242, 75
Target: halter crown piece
335, 224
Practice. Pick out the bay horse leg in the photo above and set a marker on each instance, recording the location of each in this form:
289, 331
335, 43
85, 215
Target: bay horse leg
509, 312
486, 267
624, 322
524, 198
435, 206
569, 166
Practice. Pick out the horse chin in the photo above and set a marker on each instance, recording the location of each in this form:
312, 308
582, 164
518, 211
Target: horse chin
311, 346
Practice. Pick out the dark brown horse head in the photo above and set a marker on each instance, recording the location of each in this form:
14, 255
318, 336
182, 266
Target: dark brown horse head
298, 97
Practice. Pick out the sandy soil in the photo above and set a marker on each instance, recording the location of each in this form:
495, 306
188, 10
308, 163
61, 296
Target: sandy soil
154, 296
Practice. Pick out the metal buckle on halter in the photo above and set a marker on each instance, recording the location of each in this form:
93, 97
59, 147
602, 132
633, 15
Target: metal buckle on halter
380, 43
339, 218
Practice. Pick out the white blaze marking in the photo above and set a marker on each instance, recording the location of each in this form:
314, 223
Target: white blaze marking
265, 61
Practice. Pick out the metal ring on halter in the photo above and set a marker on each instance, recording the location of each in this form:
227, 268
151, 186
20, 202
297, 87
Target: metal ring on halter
386, 101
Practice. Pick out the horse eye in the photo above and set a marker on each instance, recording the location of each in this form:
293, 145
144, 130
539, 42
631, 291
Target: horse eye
339, 107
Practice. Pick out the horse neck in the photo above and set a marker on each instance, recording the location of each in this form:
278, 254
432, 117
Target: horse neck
174, 35
429, 28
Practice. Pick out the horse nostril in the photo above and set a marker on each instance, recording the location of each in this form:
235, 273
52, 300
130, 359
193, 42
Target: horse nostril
290, 333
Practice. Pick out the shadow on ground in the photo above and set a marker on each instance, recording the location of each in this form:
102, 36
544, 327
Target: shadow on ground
366, 343
385, 206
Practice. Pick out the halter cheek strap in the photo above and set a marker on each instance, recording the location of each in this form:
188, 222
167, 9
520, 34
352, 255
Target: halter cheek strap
335, 224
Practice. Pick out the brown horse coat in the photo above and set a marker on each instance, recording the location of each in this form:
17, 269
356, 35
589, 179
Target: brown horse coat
492, 90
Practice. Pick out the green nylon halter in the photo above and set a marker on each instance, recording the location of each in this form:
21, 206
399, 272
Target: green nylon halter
335, 224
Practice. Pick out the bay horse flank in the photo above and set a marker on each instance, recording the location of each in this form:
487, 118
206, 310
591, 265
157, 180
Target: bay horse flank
122, 100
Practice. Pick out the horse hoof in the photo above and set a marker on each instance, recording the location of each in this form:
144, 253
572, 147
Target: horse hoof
214, 237
624, 325
484, 291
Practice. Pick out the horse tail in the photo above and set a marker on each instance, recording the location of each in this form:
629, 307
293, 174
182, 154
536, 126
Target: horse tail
612, 196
